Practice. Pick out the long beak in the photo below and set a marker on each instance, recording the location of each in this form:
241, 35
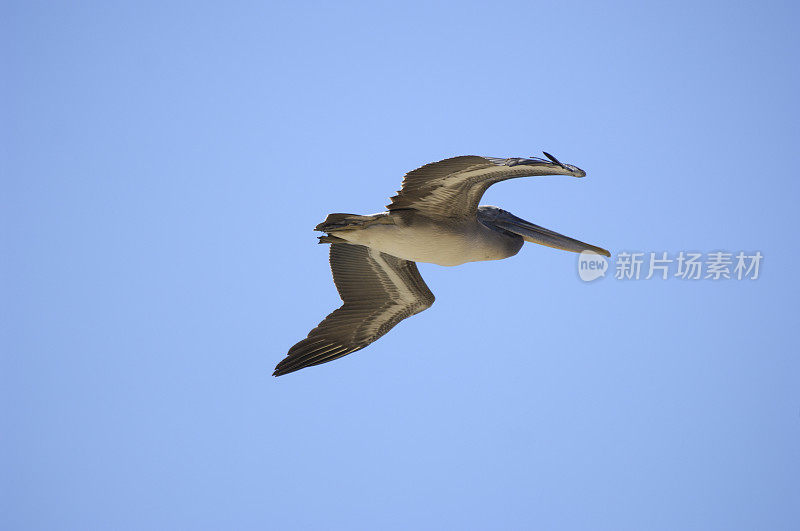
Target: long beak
536, 234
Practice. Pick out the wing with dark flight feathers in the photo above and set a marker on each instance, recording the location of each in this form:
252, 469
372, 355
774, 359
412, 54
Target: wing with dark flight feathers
454, 187
378, 291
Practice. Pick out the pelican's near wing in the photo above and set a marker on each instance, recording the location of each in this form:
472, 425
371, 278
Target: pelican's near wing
378, 291
454, 187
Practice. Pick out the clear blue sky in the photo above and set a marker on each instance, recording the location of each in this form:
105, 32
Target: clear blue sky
163, 165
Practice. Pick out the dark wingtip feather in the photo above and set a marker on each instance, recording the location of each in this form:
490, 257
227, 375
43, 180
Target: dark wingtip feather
552, 158
281, 369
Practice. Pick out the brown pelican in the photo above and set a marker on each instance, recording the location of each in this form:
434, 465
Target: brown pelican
434, 218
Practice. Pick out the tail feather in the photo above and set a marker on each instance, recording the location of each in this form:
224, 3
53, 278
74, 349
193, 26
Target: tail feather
331, 239
347, 222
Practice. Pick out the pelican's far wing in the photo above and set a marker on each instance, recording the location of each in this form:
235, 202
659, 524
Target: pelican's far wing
378, 291
454, 187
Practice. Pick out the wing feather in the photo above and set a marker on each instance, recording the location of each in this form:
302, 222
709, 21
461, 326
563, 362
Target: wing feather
454, 187
378, 291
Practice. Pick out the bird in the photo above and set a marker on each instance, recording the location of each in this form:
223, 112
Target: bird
434, 218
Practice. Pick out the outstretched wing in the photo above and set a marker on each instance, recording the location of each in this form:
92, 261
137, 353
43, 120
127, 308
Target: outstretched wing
378, 291
454, 187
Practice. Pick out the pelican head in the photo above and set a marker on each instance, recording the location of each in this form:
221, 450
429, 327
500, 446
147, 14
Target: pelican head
503, 221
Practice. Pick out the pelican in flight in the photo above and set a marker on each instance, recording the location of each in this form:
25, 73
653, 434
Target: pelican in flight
434, 218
